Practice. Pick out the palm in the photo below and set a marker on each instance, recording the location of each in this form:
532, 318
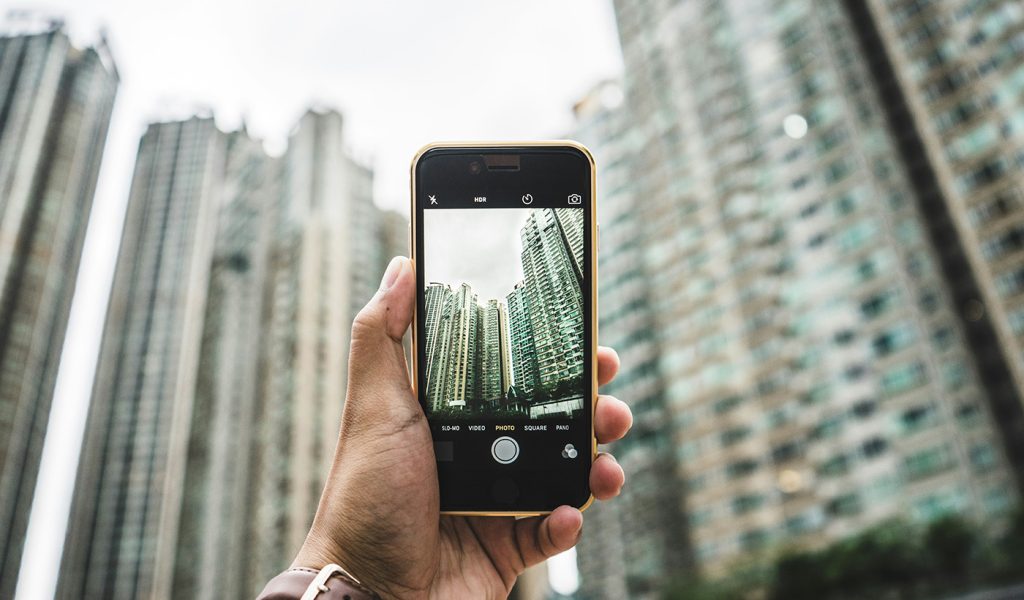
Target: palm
478, 558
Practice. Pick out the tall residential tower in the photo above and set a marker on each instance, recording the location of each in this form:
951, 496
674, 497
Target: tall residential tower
55, 107
325, 251
121, 539
819, 372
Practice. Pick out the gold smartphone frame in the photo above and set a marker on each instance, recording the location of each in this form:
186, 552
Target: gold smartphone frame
595, 237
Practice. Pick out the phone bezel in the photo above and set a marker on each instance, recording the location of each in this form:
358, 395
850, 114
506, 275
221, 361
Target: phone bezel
511, 146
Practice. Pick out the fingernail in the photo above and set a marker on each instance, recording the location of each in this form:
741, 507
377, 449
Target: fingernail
391, 274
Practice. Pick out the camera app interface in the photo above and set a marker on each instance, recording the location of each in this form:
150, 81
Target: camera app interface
503, 316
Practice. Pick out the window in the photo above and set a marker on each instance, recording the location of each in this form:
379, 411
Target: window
997, 500
874, 447
736, 434
753, 539
864, 409
983, 456
746, 503
828, 428
857, 235
968, 414
954, 375
943, 337
901, 378
741, 468
844, 506
700, 517
837, 171
786, 452
917, 418
927, 463
973, 142
727, 404
837, 465
1010, 284
1011, 240
982, 176
933, 506
1005, 203
697, 483
892, 340
818, 394
929, 301
844, 337
1016, 319
855, 372
877, 304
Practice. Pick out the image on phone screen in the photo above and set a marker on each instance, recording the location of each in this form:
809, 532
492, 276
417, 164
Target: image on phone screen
504, 312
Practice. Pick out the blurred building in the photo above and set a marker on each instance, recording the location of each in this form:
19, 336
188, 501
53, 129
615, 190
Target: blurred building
951, 82
222, 372
393, 237
323, 267
532, 584
816, 370
630, 546
216, 535
128, 495
55, 106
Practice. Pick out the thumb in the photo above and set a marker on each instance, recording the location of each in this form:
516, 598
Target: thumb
376, 363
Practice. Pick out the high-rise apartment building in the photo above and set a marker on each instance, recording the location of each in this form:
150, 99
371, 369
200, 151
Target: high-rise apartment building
55, 106
490, 354
631, 545
552, 259
237, 282
468, 358
818, 374
437, 299
121, 540
323, 268
463, 360
495, 371
504, 352
950, 78
215, 534
393, 236
525, 378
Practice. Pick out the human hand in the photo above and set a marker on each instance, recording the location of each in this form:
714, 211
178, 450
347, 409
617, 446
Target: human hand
379, 515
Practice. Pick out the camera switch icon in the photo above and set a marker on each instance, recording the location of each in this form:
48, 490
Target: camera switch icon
575, 199
569, 451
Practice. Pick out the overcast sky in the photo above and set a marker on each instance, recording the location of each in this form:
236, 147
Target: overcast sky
480, 247
403, 73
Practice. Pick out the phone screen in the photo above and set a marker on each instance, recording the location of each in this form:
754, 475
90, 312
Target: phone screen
505, 364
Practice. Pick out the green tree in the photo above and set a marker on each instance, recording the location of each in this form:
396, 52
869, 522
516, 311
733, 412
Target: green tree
800, 575
950, 543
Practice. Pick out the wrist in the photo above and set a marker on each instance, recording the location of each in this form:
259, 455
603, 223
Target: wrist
317, 552
329, 583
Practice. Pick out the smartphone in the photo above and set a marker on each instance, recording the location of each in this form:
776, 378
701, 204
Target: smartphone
504, 242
